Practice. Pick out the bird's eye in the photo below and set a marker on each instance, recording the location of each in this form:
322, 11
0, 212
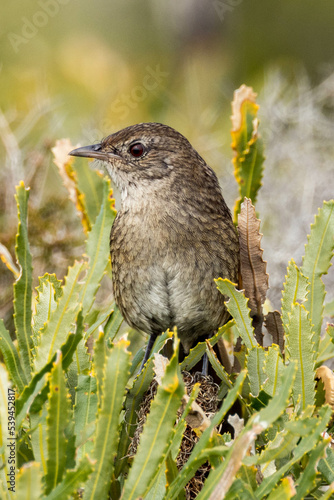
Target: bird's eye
137, 150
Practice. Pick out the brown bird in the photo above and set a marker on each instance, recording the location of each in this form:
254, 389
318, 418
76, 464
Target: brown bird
172, 235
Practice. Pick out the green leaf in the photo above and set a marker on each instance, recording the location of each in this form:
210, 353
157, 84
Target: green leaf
97, 251
218, 367
305, 445
157, 432
273, 369
23, 285
98, 364
239, 490
132, 402
326, 347
73, 480
57, 421
295, 290
113, 324
49, 291
237, 307
197, 352
326, 465
62, 319
284, 491
38, 437
220, 479
102, 316
306, 482
255, 367
300, 348
29, 397
316, 262
29, 482
199, 454
11, 358
115, 378
67, 351
85, 411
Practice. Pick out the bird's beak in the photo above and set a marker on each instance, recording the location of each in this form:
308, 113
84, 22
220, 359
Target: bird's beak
93, 151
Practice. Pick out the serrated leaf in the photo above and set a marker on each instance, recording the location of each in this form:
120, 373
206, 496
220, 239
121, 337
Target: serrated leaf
239, 490
326, 465
247, 145
255, 367
305, 445
62, 319
295, 290
23, 285
157, 431
306, 481
238, 308
38, 437
67, 350
300, 348
29, 482
216, 365
57, 421
255, 279
48, 292
284, 491
115, 378
221, 478
29, 397
132, 402
85, 411
97, 250
11, 358
316, 262
73, 479
273, 369
198, 455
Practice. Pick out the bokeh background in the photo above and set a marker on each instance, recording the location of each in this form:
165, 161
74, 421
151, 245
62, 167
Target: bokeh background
82, 70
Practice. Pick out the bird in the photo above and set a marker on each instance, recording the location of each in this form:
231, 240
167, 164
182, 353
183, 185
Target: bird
172, 236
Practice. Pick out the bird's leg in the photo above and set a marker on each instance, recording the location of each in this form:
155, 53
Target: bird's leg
148, 350
205, 365
205, 360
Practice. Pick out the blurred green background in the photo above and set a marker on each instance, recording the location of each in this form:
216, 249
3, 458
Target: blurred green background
83, 70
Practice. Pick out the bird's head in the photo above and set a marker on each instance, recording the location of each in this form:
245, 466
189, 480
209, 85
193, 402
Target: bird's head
142, 154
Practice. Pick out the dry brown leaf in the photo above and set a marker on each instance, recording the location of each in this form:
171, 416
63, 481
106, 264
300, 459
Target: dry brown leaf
68, 175
274, 326
327, 377
252, 266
